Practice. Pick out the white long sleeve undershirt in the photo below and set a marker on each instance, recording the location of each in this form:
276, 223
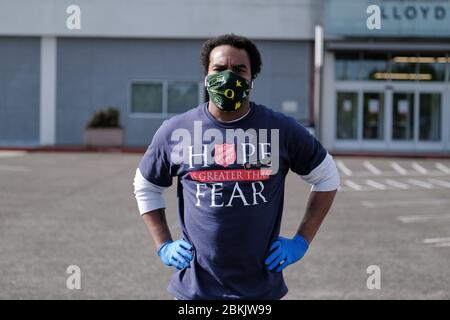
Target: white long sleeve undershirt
149, 196
324, 177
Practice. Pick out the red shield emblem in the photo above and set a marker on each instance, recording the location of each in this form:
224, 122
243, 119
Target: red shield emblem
224, 154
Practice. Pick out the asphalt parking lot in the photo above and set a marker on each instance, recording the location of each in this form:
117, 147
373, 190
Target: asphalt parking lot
61, 209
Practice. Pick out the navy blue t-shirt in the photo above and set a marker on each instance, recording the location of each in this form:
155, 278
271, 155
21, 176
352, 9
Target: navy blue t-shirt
230, 196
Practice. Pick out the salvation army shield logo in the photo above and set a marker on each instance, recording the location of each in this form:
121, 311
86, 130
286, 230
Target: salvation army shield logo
224, 154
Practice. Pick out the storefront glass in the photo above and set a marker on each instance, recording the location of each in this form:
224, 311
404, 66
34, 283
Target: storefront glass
347, 111
373, 120
403, 98
403, 116
403, 67
347, 66
430, 117
374, 66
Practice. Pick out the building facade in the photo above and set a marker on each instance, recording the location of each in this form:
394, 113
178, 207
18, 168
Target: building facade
387, 89
142, 58
383, 90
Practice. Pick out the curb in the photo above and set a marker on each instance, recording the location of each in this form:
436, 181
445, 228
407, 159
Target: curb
141, 150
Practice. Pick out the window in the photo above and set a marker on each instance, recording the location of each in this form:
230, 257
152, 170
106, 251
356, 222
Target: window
403, 116
432, 67
404, 67
347, 66
394, 66
347, 115
374, 66
165, 97
182, 95
146, 98
430, 117
373, 118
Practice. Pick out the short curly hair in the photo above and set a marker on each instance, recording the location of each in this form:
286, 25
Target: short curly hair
236, 41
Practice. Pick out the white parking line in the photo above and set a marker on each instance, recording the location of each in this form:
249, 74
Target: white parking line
343, 168
14, 168
396, 184
10, 154
420, 183
443, 168
440, 183
419, 168
442, 244
398, 168
352, 185
403, 203
436, 240
372, 168
375, 184
421, 218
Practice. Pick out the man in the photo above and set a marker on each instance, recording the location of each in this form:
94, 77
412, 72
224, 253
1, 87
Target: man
231, 157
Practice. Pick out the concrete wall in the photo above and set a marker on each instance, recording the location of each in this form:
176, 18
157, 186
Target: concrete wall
19, 90
95, 73
262, 19
285, 76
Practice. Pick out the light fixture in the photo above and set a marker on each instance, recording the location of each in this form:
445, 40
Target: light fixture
402, 76
421, 59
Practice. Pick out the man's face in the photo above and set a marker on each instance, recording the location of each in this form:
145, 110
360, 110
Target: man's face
226, 57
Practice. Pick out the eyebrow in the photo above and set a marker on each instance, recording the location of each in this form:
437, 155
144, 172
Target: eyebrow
236, 66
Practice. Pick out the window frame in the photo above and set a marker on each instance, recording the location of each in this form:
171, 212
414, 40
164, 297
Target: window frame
165, 96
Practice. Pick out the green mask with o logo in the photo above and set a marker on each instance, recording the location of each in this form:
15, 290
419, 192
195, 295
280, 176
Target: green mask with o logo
227, 90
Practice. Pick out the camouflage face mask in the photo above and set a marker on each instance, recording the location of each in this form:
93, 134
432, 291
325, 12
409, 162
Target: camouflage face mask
227, 90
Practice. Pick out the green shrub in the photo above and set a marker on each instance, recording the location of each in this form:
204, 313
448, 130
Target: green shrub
108, 118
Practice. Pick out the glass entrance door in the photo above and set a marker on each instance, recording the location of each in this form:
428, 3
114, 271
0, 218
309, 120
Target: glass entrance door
373, 116
394, 101
416, 117
403, 116
398, 118
430, 115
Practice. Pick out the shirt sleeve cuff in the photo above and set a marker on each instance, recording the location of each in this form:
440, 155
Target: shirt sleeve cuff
325, 177
149, 196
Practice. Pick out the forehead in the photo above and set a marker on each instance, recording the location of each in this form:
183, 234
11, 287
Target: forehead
227, 54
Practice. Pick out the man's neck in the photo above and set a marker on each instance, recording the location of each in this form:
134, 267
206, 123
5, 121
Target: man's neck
224, 116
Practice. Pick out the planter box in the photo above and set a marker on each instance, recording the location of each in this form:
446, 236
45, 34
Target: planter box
103, 136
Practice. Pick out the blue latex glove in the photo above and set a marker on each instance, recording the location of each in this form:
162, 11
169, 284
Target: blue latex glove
176, 253
285, 252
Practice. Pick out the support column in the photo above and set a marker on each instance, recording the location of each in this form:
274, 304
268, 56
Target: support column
47, 131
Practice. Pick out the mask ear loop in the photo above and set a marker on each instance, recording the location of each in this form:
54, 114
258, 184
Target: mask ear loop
251, 85
204, 82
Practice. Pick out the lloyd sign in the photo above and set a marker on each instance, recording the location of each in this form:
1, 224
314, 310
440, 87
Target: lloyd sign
399, 18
